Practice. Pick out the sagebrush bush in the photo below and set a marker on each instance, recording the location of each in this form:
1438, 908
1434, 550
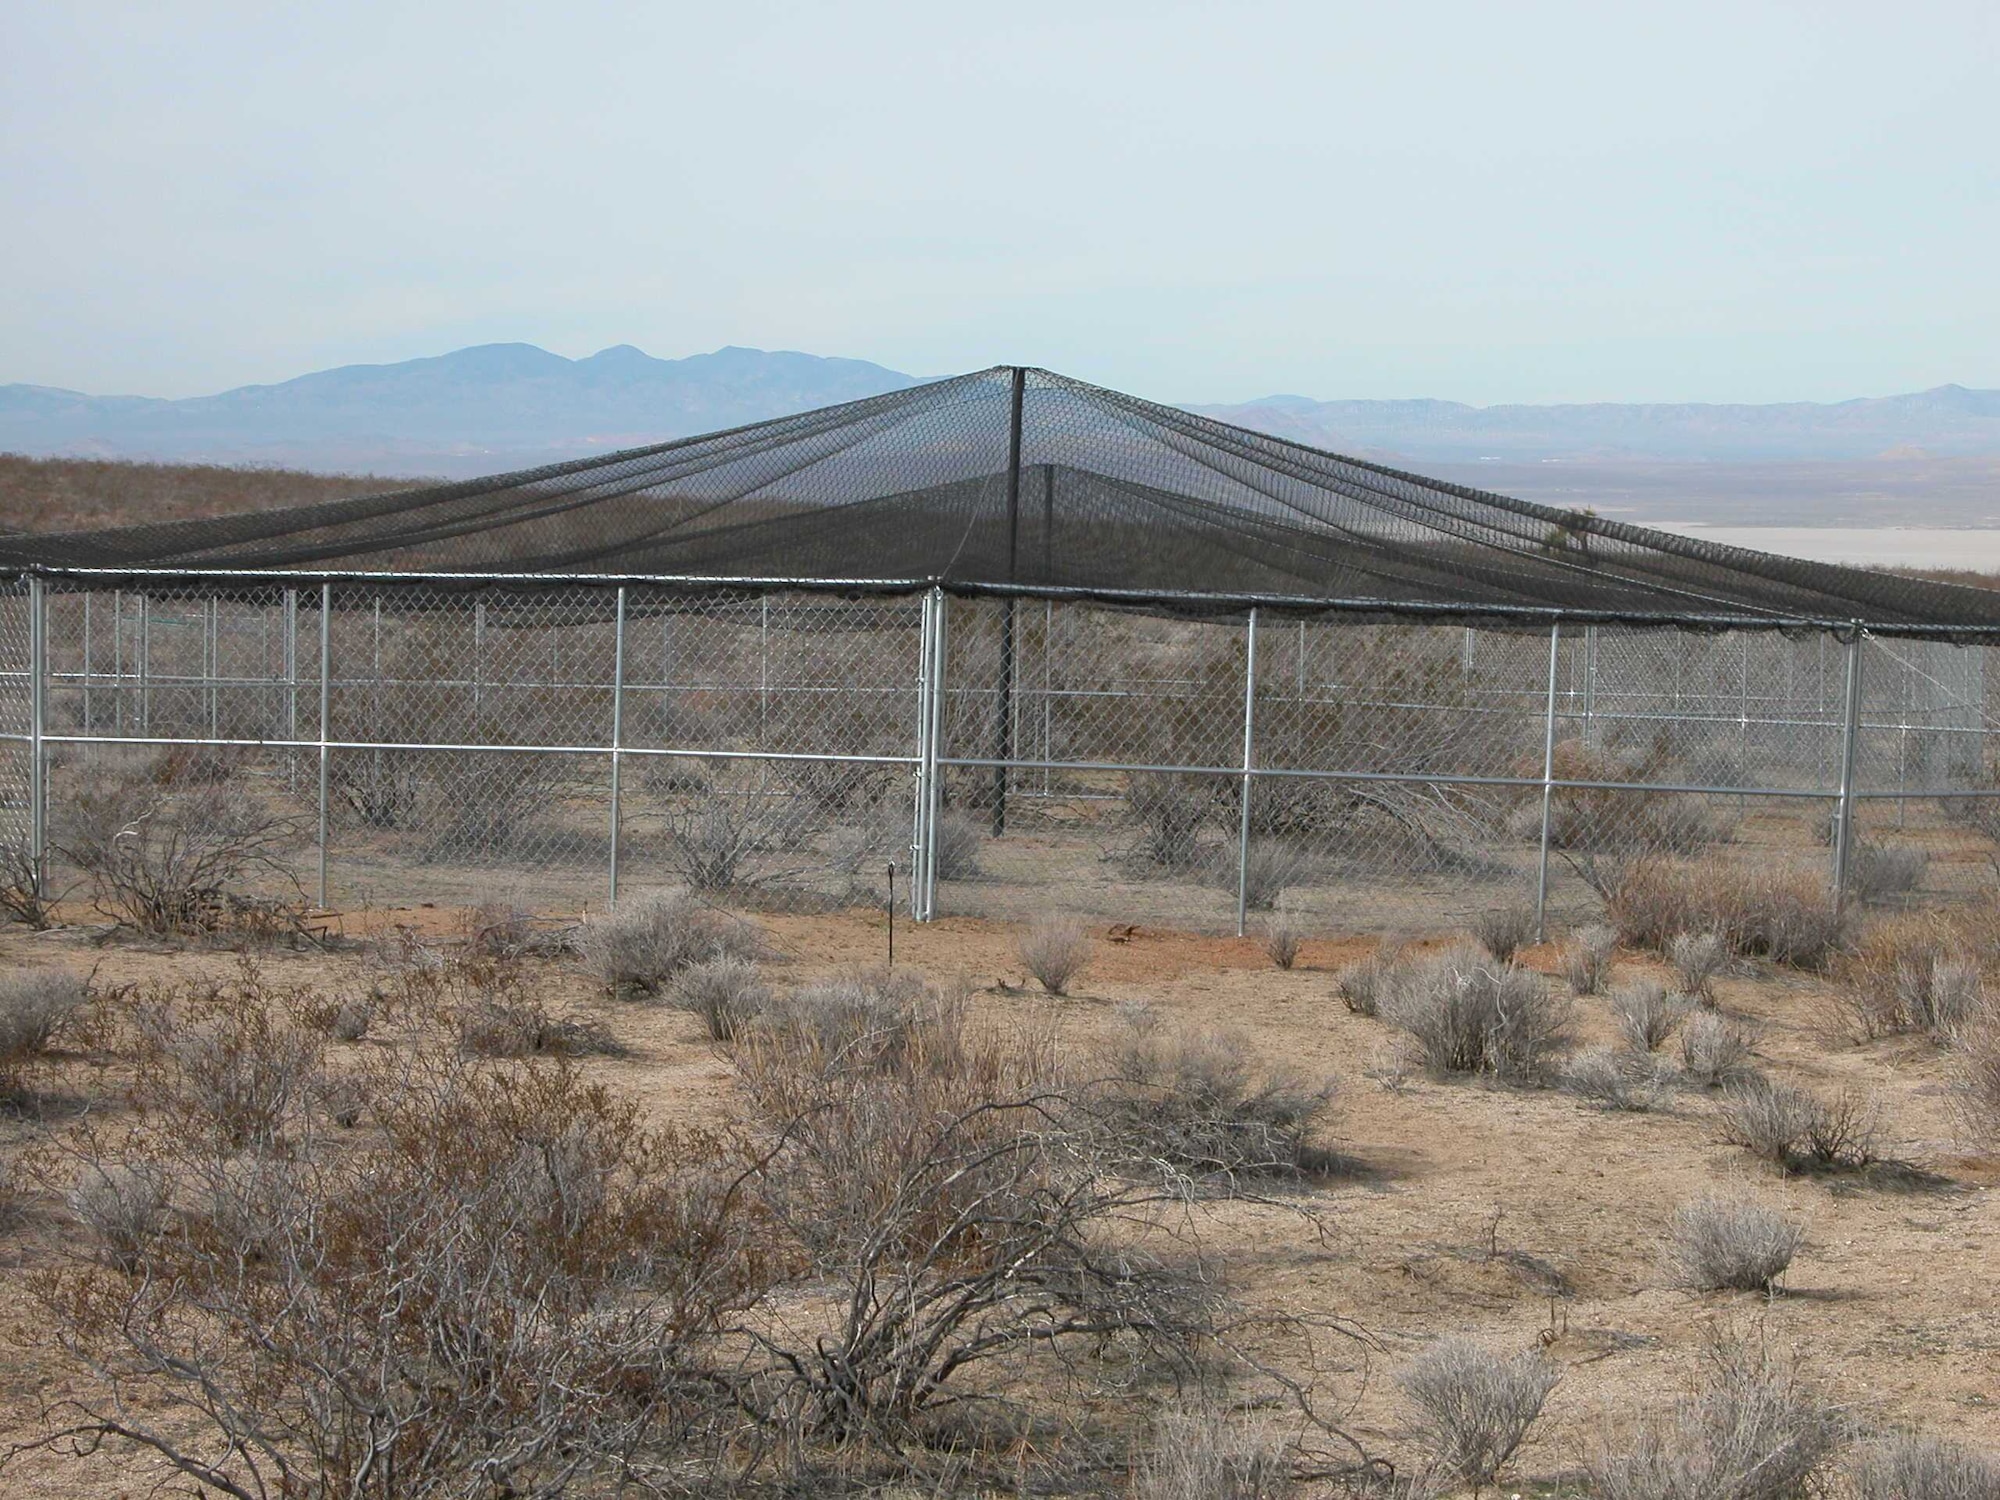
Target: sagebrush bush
1646, 1014
862, 1017
1198, 1453
726, 992
123, 1205
1911, 973
1505, 930
1628, 1081
1471, 1014
1194, 1101
1715, 1053
1586, 958
1976, 1079
514, 1026
35, 1004
1920, 1466
639, 948
1758, 910
1730, 1244
1363, 986
1696, 959
1471, 1408
1753, 1430
1055, 948
957, 846
1882, 872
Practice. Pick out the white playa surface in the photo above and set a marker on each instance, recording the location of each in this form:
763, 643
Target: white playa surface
1883, 546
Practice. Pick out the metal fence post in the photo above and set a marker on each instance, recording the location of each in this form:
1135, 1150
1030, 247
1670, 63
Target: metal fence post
118, 660
934, 790
617, 732
1843, 828
211, 664
325, 707
145, 663
89, 722
478, 661
1548, 790
920, 799
38, 771
1249, 751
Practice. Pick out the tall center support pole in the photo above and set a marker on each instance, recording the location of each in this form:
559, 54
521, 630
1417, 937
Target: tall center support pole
1843, 825
1249, 762
1548, 791
38, 770
617, 734
325, 711
1003, 729
921, 789
940, 645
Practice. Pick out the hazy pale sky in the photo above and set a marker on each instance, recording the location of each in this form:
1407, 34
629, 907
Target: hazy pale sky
1489, 202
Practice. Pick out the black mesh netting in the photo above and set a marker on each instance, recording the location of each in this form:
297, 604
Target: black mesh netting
1024, 479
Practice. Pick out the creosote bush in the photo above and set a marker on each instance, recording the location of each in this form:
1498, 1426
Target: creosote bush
1752, 1429
1505, 931
1471, 1407
1646, 1014
1586, 958
1469, 1013
640, 947
1730, 1244
1055, 948
1917, 1466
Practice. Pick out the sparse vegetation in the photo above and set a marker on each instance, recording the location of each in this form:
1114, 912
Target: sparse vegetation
1715, 1053
640, 947
1797, 1130
1730, 1244
1055, 949
1646, 1014
726, 992
1282, 937
1916, 1466
1505, 931
1469, 1013
1472, 1407
1696, 959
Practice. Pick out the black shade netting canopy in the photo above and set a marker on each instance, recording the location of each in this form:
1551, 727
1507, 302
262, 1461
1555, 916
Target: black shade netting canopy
1020, 480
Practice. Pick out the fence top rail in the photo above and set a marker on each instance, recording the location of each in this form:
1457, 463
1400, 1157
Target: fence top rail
1187, 603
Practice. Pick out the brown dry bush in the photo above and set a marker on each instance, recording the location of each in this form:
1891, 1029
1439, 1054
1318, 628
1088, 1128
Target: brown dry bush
1282, 937
1752, 1428
223, 1063
526, 1027
1505, 931
1171, 813
1472, 1407
1193, 1102
727, 993
864, 1017
1593, 821
1910, 973
1586, 959
1798, 1131
1471, 1014
25, 895
1976, 1080
1055, 949
1199, 1453
1881, 872
1696, 959
559, 1276
1758, 911
640, 947
1629, 1081
1364, 986
35, 1005
1919, 1466
1730, 1244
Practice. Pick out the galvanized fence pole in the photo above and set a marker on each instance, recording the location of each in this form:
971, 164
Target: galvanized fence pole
325, 707
1548, 790
211, 664
118, 660
38, 771
1249, 760
145, 664
617, 734
934, 792
920, 798
478, 662
89, 723
1843, 827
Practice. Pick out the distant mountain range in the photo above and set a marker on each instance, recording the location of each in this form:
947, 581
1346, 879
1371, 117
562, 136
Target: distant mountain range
505, 406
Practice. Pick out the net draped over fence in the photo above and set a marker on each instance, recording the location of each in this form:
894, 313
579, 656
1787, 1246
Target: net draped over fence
1032, 641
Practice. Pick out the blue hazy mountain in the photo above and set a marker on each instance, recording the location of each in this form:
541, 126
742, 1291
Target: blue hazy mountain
503, 406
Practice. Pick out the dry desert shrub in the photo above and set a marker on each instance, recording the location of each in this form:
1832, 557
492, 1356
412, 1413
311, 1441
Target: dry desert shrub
1730, 1244
1170, 812
1646, 1014
1759, 911
1919, 1466
225, 1063
1751, 1429
1882, 872
1471, 1014
640, 947
1471, 1408
122, 1205
727, 993
862, 1018
1505, 931
502, 1025
1628, 1081
1269, 869
1797, 1130
957, 845
1714, 1052
1976, 1080
1910, 973
35, 1005
1696, 958
1198, 1453
1055, 948
1363, 986
1586, 959
1193, 1101
1282, 937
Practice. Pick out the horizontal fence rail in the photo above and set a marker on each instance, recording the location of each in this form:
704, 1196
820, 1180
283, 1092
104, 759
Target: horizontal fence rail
415, 739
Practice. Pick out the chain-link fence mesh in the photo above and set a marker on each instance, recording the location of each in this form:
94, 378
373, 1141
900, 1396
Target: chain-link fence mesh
773, 748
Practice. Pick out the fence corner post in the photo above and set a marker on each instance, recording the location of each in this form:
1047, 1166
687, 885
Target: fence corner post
1548, 790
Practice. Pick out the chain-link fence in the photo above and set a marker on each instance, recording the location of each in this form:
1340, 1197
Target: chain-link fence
398, 740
